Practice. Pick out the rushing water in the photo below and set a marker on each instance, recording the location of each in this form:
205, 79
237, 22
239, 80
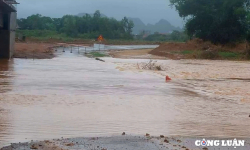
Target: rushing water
75, 96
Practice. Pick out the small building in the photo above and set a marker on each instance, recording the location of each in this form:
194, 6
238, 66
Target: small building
8, 15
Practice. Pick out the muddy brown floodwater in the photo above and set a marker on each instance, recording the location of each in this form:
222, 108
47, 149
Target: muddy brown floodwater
75, 96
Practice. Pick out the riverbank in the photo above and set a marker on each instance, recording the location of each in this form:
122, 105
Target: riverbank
90, 41
108, 143
46, 50
125, 142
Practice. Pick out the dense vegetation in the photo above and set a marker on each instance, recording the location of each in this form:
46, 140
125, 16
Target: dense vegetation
218, 21
175, 36
87, 27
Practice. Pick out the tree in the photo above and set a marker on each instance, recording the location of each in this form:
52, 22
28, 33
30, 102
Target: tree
175, 35
34, 22
58, 23
127, 26
219, 21
69, 25
97, 14
248, 37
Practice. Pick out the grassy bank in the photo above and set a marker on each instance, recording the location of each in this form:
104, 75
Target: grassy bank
198, 49
96, 54
199, 54
70, 40
48, 36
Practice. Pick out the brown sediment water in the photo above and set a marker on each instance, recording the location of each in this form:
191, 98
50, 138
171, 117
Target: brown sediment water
75, 96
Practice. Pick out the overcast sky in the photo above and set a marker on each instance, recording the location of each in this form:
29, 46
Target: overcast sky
149, 11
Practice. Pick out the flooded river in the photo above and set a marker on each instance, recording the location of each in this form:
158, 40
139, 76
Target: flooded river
75, 96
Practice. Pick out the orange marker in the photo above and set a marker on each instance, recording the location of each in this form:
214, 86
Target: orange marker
168, 78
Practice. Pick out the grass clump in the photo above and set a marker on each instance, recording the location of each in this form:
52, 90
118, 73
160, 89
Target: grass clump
158, 68
209, 55
187, 52
229, 55
218, 55
97, 54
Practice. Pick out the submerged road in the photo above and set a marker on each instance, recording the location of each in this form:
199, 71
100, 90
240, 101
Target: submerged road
75, 96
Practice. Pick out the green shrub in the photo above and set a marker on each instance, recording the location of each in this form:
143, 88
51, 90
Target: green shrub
97, 54
228, 55
186, 52
207, 55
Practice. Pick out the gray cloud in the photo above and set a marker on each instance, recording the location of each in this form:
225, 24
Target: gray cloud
149, 11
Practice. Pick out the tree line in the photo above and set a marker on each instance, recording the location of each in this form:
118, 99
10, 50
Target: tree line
87, 27
175, 36
218, 21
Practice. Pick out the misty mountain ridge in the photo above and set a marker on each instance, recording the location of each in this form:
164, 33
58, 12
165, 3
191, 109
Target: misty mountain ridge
163, 26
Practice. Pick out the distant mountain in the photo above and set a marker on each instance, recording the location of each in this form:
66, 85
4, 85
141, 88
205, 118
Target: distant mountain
138, 25
83, 14
163, 26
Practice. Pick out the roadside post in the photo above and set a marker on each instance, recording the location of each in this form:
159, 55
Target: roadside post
100, 39
33, 55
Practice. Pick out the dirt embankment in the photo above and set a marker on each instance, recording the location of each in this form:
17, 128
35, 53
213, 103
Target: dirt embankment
34, 50
199, 49
38, 50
